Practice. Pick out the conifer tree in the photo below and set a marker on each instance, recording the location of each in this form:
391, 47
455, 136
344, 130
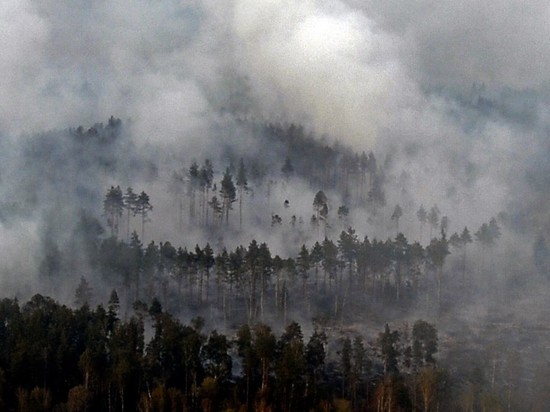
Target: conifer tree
130, 204
228, 193
242, 184
113, 205
422, 216
396, 215
143, 207
193, 183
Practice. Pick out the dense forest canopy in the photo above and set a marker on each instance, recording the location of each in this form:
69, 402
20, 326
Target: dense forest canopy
274, 205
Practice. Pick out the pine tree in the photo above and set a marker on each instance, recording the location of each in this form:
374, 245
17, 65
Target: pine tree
422, 216
437, 252
228, 193
113, 205
206, 176
242, 184
130, 204
388, 343
396, 215
193, 183
143, 207
433, 219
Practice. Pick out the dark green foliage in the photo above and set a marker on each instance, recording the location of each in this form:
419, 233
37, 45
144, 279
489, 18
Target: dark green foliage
228, 193
53, 357
113, 206
424, 345
388, 344
142, 208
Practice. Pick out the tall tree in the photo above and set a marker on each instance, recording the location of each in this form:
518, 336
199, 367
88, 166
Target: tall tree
113, 205
130, 204
315, 360
401, 256
193, 184
330, 260
396, 215
242, 184
348, 246
177, 187
320, 205
290, 367
319, 202
143, 207
345, 365
487, 235
206, 177
460, 242
228, 193
217, 210
437, 251
265, 345
358, 368
249, 360
422, 216
376, 195
303, 263
424, 344
433, 219
388, 344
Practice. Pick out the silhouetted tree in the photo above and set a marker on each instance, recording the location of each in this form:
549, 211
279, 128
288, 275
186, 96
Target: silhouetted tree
433, 219
422, 216
437, 252
113, 205
130, 204
242, 185
228, 194
205, 178
396, 215
388, 345
143, 207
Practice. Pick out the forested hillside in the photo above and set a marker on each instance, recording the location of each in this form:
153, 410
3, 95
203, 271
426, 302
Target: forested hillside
310, 278
274, 205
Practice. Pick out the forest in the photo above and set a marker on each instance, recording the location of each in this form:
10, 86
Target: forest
274, 205
344, 294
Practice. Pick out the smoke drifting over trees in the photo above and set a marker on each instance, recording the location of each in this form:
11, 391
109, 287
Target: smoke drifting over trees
356, 163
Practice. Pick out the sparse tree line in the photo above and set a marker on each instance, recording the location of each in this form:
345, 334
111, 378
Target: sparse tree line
332, 279
208, 202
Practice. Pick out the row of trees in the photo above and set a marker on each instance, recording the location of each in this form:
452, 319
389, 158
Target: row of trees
115, 203
205, 207
56, 358
334, 279
356, 176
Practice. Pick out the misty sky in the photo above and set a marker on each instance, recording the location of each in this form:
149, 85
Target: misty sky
457, 90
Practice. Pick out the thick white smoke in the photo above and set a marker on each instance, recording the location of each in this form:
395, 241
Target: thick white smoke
394, 77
